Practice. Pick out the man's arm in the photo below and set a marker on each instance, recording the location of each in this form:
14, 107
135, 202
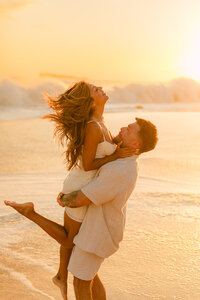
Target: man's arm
74, 199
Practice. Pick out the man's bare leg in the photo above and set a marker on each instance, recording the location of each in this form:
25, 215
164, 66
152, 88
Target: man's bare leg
56, 231
89, 290
83, 289
98, 290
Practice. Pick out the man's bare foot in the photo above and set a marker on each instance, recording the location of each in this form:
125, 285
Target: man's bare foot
24, 209
62, 286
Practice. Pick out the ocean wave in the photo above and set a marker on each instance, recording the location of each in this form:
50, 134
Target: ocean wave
180, 90
24, 280
13, 94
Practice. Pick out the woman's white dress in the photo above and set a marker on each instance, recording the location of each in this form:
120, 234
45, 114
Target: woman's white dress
78, 178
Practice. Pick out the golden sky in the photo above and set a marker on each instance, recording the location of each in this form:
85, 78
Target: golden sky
128, 40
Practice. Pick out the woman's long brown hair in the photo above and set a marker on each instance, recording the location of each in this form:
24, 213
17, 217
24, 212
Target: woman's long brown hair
72, 110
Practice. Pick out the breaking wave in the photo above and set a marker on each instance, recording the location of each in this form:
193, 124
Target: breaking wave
14, 94
181, 90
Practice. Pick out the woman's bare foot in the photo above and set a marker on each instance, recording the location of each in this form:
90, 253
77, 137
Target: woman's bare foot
24, 209
62, 286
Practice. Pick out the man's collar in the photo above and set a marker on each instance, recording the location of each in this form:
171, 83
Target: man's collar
133, 157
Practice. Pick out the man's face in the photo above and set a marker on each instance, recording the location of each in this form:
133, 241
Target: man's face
130, 136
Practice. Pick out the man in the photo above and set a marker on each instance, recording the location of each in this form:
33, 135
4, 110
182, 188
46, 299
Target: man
103, 226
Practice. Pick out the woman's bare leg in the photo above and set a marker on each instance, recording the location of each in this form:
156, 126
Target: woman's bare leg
72, 227
60, 280
56, 231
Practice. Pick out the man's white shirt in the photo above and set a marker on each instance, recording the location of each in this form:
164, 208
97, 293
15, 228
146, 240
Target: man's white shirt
103, 226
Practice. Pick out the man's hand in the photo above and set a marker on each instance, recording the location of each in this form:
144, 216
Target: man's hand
124, 152
73, 199
59, 199
70, 199
67, 199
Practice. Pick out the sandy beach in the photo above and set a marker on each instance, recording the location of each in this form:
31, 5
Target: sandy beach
159, 256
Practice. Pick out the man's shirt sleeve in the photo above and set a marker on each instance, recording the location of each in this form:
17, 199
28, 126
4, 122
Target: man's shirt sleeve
104, 187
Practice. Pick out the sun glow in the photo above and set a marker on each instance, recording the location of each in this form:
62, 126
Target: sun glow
190, 61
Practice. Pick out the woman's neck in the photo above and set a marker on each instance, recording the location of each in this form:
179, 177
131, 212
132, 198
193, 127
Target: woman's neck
98, 113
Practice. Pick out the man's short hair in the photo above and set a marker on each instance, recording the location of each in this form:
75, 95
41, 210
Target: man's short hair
148, 135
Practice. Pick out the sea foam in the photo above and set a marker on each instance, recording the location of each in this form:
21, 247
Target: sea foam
15, 94
180, 90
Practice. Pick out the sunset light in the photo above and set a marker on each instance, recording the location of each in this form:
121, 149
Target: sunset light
100, 149
138, 41
190, 60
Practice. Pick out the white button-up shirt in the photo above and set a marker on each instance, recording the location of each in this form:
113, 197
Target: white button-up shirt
103, 226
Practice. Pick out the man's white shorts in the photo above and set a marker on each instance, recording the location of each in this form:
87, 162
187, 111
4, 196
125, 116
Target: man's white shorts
84, 265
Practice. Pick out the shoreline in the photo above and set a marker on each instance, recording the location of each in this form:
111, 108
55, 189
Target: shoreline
9, 113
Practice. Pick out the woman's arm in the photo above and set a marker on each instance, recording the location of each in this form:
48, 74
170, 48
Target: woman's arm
93, 137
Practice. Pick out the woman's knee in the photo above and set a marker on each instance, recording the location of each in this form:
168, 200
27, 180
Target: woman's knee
67, 241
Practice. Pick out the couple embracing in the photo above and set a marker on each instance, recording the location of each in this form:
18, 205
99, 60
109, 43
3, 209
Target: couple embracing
102, 175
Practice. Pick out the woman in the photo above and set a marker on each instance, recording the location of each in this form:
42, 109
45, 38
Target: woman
78, 117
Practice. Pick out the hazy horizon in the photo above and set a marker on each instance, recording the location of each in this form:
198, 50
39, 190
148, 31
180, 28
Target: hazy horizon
33, 79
